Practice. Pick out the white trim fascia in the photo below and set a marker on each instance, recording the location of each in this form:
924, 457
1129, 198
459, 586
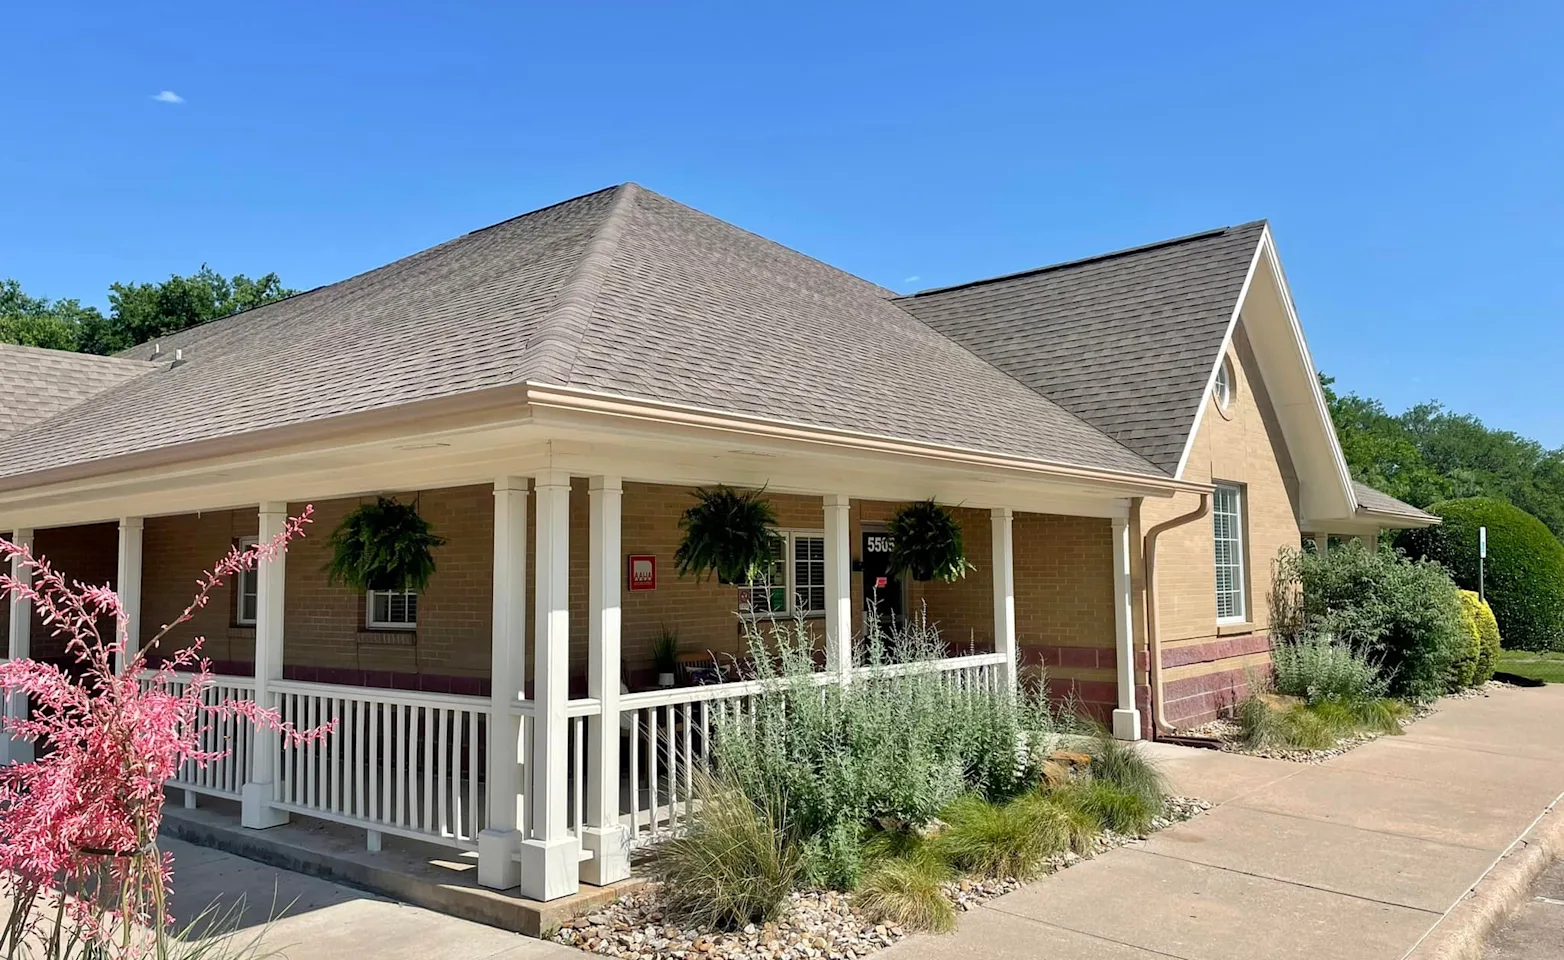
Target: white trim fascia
1227, 340
1321, 407
577, 399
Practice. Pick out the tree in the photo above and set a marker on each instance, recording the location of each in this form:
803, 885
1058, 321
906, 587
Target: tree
38, 322
144, 311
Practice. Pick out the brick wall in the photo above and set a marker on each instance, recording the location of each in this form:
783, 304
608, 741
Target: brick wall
1244, 445
1064, 606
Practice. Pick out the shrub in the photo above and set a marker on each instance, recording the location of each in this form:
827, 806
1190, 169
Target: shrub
1402, 614
1116, 762
832, 759
1316, 667
908, 893
1479, 619
1524, 579
735, 865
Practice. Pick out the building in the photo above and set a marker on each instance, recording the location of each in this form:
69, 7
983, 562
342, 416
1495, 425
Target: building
548, 390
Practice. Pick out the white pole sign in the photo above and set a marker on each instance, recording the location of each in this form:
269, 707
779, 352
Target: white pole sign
1482, 542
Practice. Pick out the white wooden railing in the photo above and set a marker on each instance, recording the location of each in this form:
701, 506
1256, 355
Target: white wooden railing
412, 764
225, 776
399, 762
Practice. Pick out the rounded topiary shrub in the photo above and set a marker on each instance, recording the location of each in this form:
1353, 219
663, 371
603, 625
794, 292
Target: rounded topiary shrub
1479, 620
1525, 569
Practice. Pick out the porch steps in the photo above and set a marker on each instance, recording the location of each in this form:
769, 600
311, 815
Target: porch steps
421, 874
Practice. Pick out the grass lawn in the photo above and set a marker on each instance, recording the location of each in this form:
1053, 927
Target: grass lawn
1539, 666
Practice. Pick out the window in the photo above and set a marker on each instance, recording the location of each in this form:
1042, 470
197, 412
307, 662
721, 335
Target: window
1222, 391
393, 609
796, 587
248, 593
1227, 512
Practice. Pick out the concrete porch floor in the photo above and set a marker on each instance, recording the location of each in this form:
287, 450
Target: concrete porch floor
421, 874
1358, 857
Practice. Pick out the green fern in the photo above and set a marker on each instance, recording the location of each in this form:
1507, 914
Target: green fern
727, 532
926, 542
383, 545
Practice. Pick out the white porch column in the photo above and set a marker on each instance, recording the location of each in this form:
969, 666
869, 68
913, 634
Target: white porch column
603, 835
127, 582
1126, 719
1005, 593
838, 586
256, 810
19, 632
550, 858
499, 842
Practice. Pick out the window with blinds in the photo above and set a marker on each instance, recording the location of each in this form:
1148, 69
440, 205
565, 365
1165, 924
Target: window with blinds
1227, 513
795, 582
393, 610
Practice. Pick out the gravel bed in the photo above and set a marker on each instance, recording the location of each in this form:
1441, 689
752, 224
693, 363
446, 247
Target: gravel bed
815, 924
1227, 730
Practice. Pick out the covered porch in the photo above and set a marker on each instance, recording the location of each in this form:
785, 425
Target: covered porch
512, 708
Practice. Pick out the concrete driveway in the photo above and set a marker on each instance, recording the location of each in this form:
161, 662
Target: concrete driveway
1358, 857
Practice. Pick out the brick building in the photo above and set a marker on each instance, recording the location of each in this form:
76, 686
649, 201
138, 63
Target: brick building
1127, 441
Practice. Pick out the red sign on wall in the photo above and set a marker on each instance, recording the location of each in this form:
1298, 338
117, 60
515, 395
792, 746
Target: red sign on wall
643, 572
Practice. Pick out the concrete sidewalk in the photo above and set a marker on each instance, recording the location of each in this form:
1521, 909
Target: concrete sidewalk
1358, 857
319, 920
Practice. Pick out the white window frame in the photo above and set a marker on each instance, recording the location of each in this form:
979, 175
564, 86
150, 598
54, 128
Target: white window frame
789, 559
374, 624
1223, 388
245, 581
1240, 566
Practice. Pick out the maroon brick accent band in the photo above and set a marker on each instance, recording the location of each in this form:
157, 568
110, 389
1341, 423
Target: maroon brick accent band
1213, 650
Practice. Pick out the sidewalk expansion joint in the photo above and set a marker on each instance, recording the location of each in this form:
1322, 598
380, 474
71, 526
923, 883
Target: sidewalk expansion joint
1295, 883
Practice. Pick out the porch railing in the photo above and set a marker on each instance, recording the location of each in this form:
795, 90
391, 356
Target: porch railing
413, 764
399, 762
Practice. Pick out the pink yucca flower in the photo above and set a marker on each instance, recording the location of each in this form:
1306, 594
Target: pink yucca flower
78, 826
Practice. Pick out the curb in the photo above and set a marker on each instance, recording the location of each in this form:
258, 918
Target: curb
1462, 933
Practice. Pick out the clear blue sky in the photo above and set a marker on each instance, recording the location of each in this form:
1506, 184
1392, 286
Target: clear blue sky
1409, 155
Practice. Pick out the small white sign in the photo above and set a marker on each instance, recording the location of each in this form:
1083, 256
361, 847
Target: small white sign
1482, 542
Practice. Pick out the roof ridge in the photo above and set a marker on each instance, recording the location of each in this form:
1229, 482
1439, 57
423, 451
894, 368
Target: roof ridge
551, 355
105, 359
1082, 261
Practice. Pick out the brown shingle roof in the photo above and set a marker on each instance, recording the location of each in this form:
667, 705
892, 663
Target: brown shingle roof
1126, 341
1375, 501
621, 291
36, 384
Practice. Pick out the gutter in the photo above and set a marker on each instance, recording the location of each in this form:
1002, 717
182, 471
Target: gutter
1160, 724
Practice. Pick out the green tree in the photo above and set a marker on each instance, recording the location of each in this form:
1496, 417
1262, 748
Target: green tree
39, 322
144, 311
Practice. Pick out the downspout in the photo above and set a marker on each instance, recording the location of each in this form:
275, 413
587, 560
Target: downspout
1160, 722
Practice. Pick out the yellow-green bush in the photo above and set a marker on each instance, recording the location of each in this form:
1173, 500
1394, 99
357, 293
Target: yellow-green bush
1480, 622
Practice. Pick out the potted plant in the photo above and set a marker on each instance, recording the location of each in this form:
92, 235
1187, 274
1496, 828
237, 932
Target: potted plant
384, 545
926, 543
665, 656
728, 532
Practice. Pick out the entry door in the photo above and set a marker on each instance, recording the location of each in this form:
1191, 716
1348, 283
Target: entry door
880, 587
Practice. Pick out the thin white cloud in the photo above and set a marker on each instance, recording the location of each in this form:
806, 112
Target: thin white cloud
912, 279
168, 96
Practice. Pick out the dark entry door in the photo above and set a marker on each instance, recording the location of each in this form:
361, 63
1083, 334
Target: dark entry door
881, 589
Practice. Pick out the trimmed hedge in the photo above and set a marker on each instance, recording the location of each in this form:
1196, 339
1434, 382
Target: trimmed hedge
1525, 570
1478, 617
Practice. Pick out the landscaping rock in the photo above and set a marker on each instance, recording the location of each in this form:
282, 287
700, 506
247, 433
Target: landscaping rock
816, 923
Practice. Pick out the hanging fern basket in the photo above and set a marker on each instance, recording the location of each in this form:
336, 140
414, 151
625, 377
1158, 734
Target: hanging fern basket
383, 545
926, 543
731, 533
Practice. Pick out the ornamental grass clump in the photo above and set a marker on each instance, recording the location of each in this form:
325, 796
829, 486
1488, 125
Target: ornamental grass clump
735, 865
1317, 668
79, 866
908, 893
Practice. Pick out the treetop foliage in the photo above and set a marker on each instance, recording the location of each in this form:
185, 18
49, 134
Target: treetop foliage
1429, 454
138, 312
